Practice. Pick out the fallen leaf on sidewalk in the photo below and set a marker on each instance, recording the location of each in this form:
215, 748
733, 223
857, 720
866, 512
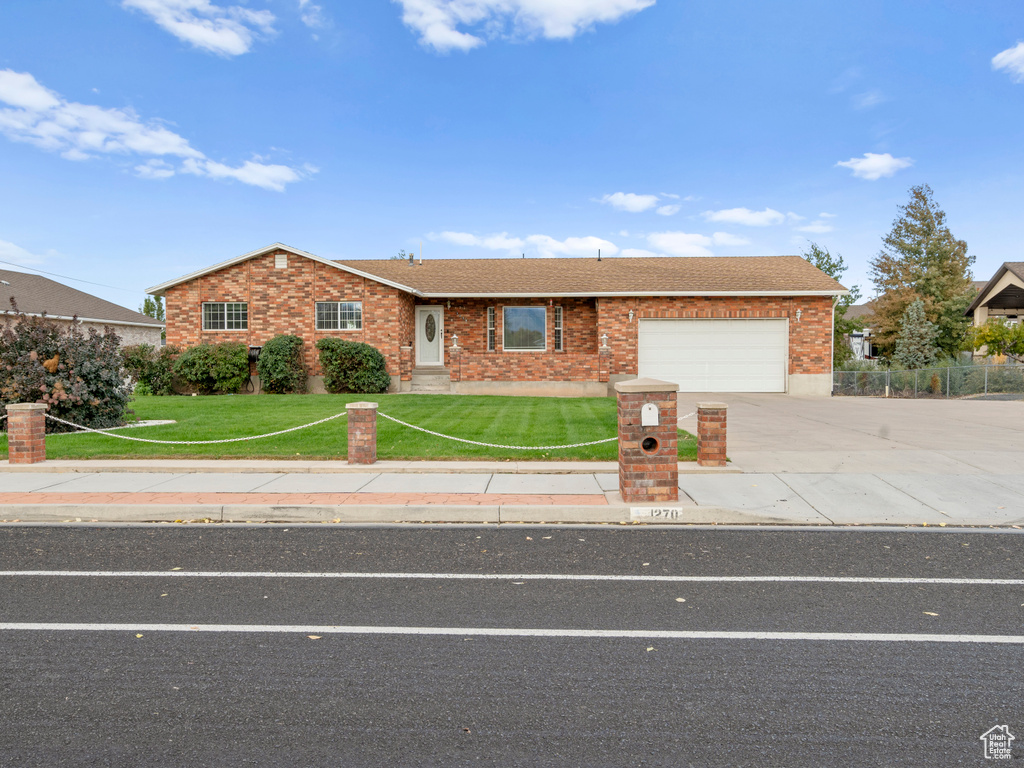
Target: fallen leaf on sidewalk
176, 569
680, 599
313, 637
138, 635
651, 648
929, 613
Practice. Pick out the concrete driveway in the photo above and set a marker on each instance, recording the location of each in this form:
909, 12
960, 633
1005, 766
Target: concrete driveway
783, 434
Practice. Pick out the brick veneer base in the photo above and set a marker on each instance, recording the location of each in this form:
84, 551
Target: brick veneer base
711, 424
362, 433
648, 477
26, 433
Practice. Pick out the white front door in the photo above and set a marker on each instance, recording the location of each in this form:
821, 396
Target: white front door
429, 336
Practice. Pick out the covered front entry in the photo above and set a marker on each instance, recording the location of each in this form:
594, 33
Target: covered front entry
429, 335
715, 355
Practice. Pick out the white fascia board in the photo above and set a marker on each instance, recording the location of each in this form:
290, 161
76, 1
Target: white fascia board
158, 290
91, 320
617, 294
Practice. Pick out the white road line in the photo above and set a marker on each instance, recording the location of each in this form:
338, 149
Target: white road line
653, 634
514, 577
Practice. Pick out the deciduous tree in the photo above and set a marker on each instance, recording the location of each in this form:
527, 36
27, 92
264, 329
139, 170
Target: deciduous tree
920, 259
835, 267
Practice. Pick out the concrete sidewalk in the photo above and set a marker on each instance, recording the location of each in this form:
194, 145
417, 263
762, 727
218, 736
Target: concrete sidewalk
906, 489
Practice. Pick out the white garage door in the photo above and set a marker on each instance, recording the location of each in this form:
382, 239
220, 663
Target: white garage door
715, 355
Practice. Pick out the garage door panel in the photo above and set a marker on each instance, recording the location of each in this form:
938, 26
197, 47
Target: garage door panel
715, 355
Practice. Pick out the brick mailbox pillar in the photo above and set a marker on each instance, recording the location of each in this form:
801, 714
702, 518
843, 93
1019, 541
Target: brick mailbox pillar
362, 433
26, 433
711, 434
648, 441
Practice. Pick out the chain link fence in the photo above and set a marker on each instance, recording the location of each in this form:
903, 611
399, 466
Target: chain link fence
953, 381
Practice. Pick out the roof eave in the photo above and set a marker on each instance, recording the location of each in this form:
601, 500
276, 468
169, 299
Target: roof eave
160, 326
623, 294
158, 290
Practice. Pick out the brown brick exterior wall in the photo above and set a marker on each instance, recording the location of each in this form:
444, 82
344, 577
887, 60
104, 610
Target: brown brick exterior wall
810, 338
283, 301
711, 434
26, 433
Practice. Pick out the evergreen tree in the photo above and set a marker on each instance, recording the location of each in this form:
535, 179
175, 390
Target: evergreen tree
920, 259
834, 267
915, 345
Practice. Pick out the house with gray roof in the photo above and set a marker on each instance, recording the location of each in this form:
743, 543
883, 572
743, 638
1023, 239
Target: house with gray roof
36, 295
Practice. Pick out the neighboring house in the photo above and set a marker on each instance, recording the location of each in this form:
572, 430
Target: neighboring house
1002, 296
530, 326
860, 341
35, 295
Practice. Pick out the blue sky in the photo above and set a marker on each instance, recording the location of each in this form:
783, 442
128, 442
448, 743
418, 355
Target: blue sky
143, 139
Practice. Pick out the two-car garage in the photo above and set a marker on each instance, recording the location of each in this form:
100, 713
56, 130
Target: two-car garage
715, 355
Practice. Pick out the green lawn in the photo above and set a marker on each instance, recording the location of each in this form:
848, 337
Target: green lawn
505, 420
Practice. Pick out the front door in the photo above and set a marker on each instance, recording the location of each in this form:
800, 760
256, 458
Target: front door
429, 336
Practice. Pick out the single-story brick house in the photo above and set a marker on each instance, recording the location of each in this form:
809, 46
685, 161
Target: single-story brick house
530, 326
36, 295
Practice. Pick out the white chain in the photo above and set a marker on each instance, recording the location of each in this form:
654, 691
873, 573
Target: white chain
495, 445
197, 442
687, 416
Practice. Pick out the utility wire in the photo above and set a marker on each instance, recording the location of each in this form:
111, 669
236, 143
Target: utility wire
75, 279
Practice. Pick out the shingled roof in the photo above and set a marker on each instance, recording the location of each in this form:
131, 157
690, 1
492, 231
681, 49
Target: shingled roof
617, 276
36, 294
659, 276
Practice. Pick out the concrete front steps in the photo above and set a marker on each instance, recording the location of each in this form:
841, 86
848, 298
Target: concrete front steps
435, 379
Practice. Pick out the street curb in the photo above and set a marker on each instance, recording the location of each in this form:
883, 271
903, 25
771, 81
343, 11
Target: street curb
383, 513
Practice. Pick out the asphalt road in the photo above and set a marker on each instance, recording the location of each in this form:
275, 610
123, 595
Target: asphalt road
718, 648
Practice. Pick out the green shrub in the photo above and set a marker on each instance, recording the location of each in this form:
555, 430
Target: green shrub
214, 368
150, 368
280, 366
351, 366
78, 373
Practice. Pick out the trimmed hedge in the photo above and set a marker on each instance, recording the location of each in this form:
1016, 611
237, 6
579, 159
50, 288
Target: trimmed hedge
151, 369
280, 366
214, 368
352, 366
77, 373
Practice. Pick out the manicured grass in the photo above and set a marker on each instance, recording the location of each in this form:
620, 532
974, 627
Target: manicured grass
504, 420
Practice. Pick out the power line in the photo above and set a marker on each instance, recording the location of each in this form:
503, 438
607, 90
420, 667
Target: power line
75, 279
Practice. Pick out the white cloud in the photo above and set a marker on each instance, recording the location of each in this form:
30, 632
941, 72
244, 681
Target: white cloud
312, 15
668, 210
15, 254
824, 215
623, 233
534, 245
670, 196
746, 217
438, 22
874, 166
627, 201
154, 169
38, 116
691, 198
680, 243
868, 99
724, 238
1011, 60
226, 31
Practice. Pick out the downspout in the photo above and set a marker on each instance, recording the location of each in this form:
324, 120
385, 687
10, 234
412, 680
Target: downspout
832, 358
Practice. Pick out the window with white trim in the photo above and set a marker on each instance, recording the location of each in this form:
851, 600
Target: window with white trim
225, 316
559, 336
491, 335
339, 315
524, 329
